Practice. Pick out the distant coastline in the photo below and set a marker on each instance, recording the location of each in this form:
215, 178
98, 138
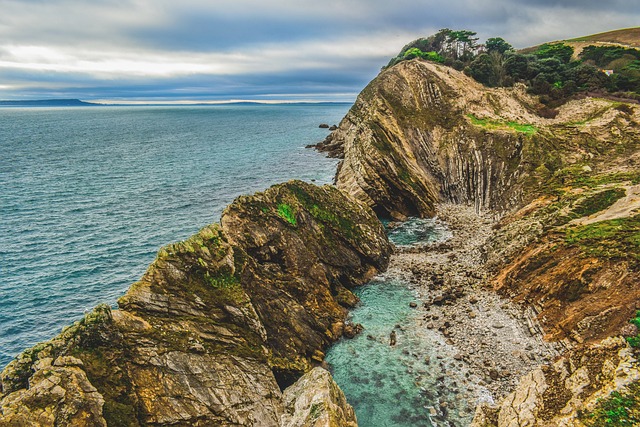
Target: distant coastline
79, 103
48, 103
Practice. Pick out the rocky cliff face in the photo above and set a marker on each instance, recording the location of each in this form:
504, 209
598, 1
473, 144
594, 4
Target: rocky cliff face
216, 327
569, 392
421, 133
567, 247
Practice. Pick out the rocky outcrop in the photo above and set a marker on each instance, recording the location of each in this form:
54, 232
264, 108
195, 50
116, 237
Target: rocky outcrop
217, 326
569, 392
422, 132
316, 400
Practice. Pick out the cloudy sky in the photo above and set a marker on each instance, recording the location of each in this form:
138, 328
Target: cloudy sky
161, 50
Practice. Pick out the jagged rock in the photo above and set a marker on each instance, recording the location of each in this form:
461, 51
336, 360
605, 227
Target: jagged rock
217, 325
562, 393
323, 126
422, 132
315, 400
59, 393
351, 330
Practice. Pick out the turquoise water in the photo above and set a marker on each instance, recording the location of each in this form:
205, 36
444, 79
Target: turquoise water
88, 195
418, 231
416, 382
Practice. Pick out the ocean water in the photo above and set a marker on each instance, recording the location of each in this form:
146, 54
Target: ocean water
88, 195
416, 382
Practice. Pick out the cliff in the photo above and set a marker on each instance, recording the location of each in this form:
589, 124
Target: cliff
217, 326
566, 189
422, 132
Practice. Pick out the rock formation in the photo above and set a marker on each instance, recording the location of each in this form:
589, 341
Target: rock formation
222, 323
422, 132
216, 327
567, 190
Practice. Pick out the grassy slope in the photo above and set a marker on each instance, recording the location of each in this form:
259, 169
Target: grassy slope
627, 37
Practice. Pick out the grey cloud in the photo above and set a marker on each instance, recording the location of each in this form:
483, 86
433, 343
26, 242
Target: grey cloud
289, 31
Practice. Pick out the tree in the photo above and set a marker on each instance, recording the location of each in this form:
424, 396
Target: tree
559, 51
497, 44
517, 66
483, 70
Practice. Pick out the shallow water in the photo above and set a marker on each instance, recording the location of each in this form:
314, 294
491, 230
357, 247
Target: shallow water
418, 231
88, 195
416, 382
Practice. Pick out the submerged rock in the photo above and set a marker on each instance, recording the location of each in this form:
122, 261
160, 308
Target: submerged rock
216, 327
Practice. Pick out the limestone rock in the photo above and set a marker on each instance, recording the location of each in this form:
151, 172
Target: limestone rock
58, 394
315, 400
216, 327
562, 393
421, 133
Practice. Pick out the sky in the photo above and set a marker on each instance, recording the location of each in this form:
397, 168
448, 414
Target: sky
218, 50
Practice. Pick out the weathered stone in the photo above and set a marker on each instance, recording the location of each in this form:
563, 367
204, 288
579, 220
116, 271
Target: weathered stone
315, 400
223, 320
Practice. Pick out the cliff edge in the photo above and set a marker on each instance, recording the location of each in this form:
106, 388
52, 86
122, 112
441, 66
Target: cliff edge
563, 193
422, 133
217, 327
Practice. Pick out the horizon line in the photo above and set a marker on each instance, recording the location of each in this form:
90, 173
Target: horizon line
186, 102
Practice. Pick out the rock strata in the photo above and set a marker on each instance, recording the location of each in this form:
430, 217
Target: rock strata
422, 132
217, 326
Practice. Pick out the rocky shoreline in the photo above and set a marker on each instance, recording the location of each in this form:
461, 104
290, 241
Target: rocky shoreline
495, 341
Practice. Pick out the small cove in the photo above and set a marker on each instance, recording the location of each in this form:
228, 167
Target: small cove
416, 382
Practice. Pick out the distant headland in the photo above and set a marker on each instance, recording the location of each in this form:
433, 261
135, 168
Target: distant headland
48, 103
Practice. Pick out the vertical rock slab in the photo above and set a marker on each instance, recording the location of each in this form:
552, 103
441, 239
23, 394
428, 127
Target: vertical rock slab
409, 142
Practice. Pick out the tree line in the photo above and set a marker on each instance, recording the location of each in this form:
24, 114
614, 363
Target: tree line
549, 70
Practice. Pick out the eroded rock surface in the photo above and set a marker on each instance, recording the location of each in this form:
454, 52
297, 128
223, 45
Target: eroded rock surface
563, 394
315, 400
422, 132
216, 327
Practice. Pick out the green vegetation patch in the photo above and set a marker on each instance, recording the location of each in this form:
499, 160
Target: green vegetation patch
417, 53
617, 239
527, 129
592, 204
337, 215
286, 212
635, 341
598, 202
617, 410
575, 176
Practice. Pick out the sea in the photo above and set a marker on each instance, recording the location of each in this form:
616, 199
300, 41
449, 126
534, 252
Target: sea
89, 194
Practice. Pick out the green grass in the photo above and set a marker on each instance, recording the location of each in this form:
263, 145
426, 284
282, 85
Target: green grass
617, 410
526, 129
617, 239
336, 216
598, 202
592, 204
575, 176
286, 212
